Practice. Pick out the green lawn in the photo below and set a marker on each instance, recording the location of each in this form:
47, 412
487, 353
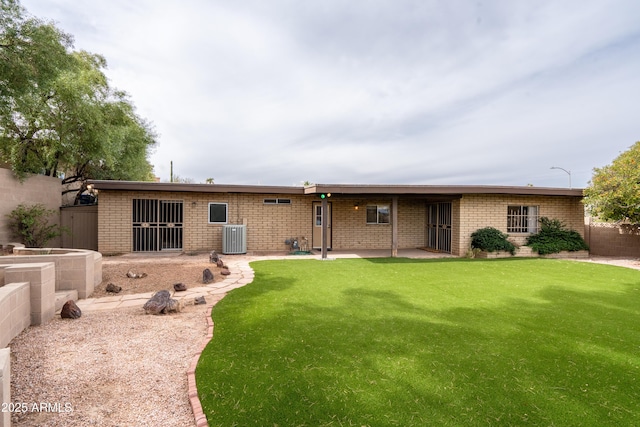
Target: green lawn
397, 342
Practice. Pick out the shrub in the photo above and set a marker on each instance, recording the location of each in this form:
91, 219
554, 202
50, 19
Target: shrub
554, 237
490, 239
29, 224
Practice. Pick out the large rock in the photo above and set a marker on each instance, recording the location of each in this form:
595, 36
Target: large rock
179, 287
225, 272
70, 310
207, 276
161, 303
213, 257
113, 288
132, 275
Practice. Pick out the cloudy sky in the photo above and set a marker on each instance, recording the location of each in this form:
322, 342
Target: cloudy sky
278, 92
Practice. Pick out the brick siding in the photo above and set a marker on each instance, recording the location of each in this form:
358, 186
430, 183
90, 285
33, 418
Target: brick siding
269, 225
478, 211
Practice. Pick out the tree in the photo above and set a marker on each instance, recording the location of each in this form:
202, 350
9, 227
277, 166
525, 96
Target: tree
65, 119
614, 190
31, 51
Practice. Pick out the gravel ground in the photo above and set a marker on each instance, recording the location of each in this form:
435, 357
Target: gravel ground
159, 274
115, 368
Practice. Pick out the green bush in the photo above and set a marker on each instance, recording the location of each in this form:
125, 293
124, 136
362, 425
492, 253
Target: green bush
554, 237
29, 224
490, 239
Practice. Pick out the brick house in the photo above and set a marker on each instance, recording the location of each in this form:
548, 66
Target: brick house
153, 216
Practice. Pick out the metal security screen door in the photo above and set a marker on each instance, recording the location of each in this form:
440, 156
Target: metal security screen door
157, 225
439, 227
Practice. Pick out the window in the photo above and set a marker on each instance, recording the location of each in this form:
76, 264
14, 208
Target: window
218, 213
522, 219
277, 201
378, 214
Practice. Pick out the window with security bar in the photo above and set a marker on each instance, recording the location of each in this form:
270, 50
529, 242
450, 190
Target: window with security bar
157, 225
522, 219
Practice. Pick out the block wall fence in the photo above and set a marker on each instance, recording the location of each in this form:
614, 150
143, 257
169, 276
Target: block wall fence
612, 240
35, 189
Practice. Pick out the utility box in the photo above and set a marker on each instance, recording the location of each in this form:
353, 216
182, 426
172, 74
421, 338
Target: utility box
234, 239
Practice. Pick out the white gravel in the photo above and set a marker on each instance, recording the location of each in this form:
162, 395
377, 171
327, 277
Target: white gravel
109, 368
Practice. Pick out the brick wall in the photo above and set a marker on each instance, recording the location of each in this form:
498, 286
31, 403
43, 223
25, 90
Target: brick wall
35, 189
268, 225
456, 246
351, 231
478, 211
114, 222
615, 240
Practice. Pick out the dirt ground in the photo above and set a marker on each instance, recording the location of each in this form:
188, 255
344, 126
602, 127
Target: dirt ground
161, 273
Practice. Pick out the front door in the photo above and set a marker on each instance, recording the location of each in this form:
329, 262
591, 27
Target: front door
316, 242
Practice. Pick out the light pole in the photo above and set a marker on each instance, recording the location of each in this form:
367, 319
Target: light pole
568, 173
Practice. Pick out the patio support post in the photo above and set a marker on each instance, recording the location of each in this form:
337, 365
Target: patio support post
394, 226
325, 207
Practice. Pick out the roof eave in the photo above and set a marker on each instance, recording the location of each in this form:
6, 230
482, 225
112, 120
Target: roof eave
440, 190
192, 188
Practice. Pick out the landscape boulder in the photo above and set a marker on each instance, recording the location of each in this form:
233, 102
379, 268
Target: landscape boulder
70, 310
113, 288
225, 272
179, 287
132, 275
200, 300
220, 263
207, 276
161, 303
213, 257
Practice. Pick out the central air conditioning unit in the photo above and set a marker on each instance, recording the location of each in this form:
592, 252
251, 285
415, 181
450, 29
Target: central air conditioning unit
234, 239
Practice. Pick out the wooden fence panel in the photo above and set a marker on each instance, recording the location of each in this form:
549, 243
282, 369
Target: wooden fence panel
82, 221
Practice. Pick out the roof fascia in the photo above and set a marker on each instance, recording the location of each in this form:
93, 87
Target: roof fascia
440, 190
192, 188
343, 189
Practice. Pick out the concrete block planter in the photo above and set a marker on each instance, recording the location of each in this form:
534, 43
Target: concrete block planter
525, 251
568, 255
